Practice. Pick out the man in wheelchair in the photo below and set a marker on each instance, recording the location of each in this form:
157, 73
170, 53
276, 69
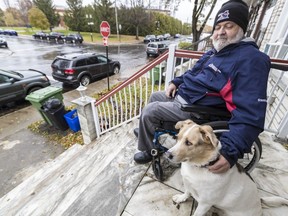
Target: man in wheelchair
233, 74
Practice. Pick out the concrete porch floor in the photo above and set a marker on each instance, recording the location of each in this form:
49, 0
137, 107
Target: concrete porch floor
102, 179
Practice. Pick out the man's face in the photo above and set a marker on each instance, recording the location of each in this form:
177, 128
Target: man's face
226, 33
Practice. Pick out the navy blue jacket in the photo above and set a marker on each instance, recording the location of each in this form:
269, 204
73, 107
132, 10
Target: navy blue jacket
236, 76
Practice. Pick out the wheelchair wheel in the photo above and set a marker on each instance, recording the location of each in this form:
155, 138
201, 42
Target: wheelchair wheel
158, 171
250, 160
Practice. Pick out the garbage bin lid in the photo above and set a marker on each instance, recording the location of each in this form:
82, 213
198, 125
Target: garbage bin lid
44, 93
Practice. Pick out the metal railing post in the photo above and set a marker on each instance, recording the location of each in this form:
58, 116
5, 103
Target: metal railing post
170, 65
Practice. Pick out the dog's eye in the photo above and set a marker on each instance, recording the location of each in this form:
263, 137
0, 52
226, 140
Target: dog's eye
187, 143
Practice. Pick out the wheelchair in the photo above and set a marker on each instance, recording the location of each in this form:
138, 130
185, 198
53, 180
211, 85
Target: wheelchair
218, 119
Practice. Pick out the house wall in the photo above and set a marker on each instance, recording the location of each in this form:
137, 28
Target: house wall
278, 17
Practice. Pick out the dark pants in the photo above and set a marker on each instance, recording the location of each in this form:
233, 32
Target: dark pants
160, 112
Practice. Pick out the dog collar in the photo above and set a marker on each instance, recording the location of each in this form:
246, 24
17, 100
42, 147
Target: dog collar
211, 162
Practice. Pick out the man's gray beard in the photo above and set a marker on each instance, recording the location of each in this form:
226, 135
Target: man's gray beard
220, 44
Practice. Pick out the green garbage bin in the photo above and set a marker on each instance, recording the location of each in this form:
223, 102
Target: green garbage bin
39, 97
154, 75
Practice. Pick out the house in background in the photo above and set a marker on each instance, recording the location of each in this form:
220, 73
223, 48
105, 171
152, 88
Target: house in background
269, 26
60, 10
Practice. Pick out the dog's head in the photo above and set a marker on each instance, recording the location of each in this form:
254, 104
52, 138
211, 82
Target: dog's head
195, 143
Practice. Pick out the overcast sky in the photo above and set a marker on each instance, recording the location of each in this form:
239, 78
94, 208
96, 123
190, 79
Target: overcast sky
184, 12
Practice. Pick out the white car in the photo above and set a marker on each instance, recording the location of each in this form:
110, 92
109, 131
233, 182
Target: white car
3, 42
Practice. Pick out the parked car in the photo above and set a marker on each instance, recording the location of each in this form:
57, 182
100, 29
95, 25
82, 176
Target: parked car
10, 32
167, 36
156, 48
149, 38
177, 36
40, 35
3, 42
16, 85
159, 38
74, 38
57, 36
82, 68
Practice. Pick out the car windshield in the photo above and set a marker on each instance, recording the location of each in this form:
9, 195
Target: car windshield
62, 63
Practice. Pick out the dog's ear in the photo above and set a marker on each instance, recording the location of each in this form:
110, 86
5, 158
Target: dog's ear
208, 135
180, 124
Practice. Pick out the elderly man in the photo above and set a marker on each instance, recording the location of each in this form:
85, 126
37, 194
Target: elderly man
233, 74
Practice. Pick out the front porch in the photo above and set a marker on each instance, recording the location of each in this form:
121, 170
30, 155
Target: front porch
102, 179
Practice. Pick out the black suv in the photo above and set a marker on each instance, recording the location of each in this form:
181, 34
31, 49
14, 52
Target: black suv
82, 68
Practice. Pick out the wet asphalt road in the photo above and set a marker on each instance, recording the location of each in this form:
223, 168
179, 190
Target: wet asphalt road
26, 52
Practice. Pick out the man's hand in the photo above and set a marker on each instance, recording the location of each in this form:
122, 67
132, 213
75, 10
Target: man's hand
171, 90
221, 166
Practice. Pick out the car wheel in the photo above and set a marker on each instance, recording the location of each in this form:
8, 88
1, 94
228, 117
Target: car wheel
33, 89
116, 70
85, 80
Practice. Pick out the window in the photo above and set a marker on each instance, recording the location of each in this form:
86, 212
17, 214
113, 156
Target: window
4, 79
61, 63
102, 59
92, 60
81, 62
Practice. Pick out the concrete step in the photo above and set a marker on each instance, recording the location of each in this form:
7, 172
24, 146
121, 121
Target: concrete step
84, 180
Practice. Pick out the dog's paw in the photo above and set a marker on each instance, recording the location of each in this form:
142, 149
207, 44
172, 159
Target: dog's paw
179, 198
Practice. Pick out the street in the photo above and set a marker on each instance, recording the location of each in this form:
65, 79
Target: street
24, 53
28, 53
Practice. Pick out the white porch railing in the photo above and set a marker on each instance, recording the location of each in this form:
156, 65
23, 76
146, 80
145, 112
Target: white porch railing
125, 102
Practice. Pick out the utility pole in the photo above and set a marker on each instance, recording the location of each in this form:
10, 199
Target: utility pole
116, 19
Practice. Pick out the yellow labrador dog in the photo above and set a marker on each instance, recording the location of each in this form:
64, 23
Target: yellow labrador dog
232, 192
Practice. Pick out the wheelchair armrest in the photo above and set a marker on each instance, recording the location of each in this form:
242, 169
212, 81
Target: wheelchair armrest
217, 111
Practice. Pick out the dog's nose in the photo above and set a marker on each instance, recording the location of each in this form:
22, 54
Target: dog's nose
169, 155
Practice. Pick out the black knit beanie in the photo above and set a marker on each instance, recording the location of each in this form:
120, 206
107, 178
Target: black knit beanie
234, 10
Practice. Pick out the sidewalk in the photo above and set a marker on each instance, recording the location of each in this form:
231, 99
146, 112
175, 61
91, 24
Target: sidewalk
22, 152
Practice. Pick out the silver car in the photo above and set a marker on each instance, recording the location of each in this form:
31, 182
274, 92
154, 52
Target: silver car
3, 42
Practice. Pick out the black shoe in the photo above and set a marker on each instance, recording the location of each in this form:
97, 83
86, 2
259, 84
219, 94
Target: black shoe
143, 157
136, 132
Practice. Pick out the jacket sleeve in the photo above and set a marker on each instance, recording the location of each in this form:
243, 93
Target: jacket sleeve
247, 104
197, 67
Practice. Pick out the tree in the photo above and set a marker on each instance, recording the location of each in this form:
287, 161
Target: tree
24, 6
12, 17
7, 3
47, 7
2, 21
104, 11
38, 19
9, 19
202, 10
200, 17
75, 17
134, 16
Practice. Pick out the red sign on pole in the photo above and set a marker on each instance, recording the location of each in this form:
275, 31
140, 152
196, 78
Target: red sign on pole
105, 41
105, 29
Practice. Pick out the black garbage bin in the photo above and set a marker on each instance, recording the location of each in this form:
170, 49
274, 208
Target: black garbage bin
55, 111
